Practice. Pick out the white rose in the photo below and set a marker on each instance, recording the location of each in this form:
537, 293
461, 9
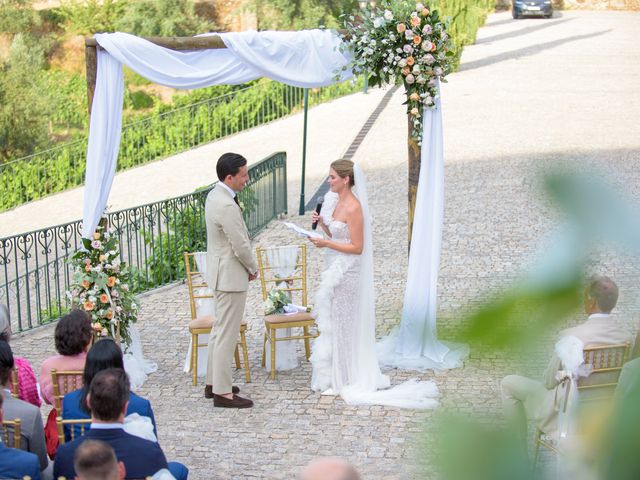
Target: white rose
427, 46
432, 82
421, 79
427, 29
428, 100
407, 49
429, 59
408, 34
388, 15
410, 79
419, 7
378, 22
398, 50
416, 69
438, 71
402, 63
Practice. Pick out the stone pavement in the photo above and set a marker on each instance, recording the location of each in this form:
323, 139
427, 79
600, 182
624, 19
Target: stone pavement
530, 95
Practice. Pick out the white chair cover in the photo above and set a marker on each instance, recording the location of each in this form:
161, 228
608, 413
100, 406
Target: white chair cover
204, 306
283, 262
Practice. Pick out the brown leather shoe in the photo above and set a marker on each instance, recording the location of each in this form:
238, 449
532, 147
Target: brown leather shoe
236, 402
208, 391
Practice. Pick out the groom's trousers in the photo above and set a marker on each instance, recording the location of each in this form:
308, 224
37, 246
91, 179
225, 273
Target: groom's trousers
228, 313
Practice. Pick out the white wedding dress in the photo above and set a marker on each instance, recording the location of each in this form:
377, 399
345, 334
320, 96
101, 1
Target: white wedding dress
344, 355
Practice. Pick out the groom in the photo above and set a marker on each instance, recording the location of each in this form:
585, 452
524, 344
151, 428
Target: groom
230, 267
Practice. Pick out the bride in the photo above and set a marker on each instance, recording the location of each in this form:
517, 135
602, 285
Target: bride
344, 357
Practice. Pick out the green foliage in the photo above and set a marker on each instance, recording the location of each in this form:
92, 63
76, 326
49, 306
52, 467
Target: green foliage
595, 215
186, 232
299, 14
23, 108
139, 17
91, 16
466, 17
166, 133
16, 16
162, 18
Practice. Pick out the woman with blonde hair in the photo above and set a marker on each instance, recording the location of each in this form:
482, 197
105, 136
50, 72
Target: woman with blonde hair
344, 356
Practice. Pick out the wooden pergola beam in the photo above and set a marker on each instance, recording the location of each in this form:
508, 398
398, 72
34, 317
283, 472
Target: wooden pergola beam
174, 43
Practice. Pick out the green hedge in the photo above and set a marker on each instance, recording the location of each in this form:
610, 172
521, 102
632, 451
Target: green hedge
166, 133
466, 17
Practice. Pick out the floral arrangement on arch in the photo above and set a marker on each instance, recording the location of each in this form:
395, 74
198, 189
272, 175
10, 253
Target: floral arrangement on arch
100, 286
395, 43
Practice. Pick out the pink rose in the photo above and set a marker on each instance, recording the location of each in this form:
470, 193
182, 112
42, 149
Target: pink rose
401, 27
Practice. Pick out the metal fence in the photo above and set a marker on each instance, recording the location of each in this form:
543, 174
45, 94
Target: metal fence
34, 268
60, 168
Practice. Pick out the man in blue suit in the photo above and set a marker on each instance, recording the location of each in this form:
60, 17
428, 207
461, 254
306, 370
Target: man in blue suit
108, 401
16, 463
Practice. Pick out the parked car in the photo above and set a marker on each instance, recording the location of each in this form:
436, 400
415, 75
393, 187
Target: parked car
538, 8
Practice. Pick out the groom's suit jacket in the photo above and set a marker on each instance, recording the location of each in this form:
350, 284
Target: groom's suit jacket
230, 259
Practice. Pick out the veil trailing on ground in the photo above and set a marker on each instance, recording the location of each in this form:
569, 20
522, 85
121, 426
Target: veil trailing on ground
369, 385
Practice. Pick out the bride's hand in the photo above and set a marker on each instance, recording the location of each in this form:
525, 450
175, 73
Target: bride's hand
319, 242
316, 217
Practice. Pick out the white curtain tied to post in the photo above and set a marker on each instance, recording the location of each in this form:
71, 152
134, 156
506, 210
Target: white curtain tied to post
415, 344
283, 261
308, 58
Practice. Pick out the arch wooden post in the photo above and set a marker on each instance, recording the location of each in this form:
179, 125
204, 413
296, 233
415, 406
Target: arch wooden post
414, 176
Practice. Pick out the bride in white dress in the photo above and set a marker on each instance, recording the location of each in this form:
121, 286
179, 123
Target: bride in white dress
344, 355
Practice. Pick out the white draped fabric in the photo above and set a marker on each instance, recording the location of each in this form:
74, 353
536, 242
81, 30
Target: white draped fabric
307, 58
415, 344
136, 366
283, 261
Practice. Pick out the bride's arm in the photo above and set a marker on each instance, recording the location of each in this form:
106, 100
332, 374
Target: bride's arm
355, 226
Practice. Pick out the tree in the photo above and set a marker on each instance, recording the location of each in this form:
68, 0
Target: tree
300, 14
24, 109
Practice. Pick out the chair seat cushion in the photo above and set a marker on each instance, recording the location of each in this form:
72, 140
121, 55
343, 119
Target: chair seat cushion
294, 317
206, 321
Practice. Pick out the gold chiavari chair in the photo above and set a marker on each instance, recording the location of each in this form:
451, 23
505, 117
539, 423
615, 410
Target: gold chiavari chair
64, 381
11, 431
83, 423
196, 285
15, 385
296, 285
606, 362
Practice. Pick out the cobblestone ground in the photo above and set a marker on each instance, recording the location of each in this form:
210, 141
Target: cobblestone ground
494, 220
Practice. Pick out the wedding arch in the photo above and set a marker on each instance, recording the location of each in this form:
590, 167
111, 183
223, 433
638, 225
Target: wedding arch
308, 58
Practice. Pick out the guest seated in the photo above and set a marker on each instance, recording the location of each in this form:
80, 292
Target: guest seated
103, 354
107, 399
31, 429
73, 336
524, 398
329, 469
27, 383
96, 460
16, 463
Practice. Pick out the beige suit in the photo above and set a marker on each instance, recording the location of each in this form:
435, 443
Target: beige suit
538, 398
230, 260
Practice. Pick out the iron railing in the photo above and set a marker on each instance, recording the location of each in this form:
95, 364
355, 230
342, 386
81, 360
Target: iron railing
34, 268
60, 168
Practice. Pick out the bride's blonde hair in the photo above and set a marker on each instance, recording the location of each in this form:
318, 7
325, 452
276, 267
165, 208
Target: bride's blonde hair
344, 168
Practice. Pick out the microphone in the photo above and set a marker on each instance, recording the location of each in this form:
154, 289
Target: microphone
314, 225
